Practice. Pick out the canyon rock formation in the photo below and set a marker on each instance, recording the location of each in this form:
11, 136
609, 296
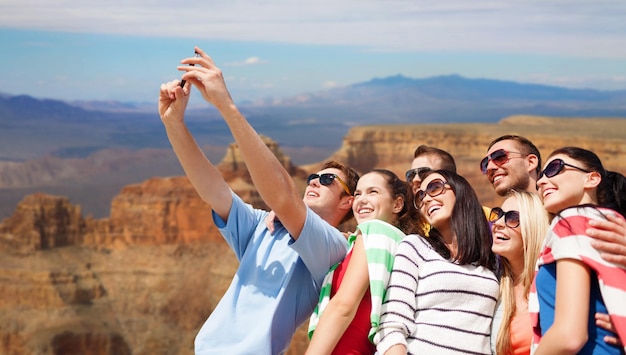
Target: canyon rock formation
143, 280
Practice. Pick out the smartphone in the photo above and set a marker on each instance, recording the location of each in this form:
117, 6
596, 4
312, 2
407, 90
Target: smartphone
182, 82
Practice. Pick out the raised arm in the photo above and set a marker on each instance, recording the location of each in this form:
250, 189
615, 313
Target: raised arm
204, 177
271, 180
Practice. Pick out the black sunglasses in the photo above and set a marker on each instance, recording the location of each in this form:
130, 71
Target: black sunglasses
498, 157
511, 218
327, 179
434, 188
410, 174
556, 166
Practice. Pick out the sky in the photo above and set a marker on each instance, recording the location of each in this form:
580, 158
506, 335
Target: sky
123, 50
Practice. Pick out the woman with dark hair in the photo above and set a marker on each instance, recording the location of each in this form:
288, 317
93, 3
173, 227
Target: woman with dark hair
573, 282
348, 312
443, 290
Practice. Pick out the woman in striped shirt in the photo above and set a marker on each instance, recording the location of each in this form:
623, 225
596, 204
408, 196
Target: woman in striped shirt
442, 291
576, 189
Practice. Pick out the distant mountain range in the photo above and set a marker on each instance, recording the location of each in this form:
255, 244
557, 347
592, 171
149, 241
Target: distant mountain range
455, 98
89, 150
319, 119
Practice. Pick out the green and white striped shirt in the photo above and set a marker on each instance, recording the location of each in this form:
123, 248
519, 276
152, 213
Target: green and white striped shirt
381, 240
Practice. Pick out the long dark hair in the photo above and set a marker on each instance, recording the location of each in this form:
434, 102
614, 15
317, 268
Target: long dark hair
409, 218
468, 222
611, 192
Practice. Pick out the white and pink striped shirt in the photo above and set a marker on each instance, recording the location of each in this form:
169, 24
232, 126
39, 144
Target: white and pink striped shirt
567, 239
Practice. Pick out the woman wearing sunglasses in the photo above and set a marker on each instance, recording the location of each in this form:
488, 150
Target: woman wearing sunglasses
573, 282
442, 291
348, 311
518, 230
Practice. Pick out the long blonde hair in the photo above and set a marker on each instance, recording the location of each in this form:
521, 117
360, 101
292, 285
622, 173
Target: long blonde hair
534, 226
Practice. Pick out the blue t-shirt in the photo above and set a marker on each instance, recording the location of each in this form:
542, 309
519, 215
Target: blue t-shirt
276, 286
546, 293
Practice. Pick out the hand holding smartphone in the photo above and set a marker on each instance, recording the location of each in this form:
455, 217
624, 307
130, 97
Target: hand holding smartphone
182, 82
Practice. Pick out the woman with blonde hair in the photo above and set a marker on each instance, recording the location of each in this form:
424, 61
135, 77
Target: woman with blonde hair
518, 229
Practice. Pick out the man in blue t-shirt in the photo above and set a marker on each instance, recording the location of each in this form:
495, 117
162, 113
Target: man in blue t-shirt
278, 280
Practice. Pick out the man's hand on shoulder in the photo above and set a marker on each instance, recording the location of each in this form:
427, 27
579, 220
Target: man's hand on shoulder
610, 238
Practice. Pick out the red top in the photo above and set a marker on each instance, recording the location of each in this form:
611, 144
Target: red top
354, 340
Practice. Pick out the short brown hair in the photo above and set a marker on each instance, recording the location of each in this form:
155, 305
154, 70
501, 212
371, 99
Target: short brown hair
447, 161
352, 177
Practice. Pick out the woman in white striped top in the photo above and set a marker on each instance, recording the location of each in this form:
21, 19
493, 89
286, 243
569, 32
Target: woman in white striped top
443, 290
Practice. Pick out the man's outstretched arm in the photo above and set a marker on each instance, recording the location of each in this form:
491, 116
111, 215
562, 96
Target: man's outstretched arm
270, 178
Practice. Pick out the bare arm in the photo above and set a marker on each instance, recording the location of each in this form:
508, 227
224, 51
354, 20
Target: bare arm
609, 238
204, 177
343, 306
568, 333
266, 171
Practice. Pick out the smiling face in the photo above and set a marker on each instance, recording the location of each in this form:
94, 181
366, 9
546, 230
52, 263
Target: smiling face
437, 209
570, 187
322, 198
514, 174
373, 199
507, 241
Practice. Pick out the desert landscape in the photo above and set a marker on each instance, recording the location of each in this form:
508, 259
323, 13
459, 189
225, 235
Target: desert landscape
143, 279
105, 246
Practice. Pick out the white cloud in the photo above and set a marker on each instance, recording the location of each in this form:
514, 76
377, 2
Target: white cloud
570, 27
248, 61
252, 60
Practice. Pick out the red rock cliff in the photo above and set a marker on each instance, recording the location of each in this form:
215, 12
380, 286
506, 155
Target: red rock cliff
144, 280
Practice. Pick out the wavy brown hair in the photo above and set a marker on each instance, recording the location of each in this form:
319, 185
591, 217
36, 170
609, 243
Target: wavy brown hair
409, 219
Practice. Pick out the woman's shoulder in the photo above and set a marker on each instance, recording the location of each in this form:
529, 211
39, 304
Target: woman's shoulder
372, 223
576, 218
417, 241
378, 226
589, 211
